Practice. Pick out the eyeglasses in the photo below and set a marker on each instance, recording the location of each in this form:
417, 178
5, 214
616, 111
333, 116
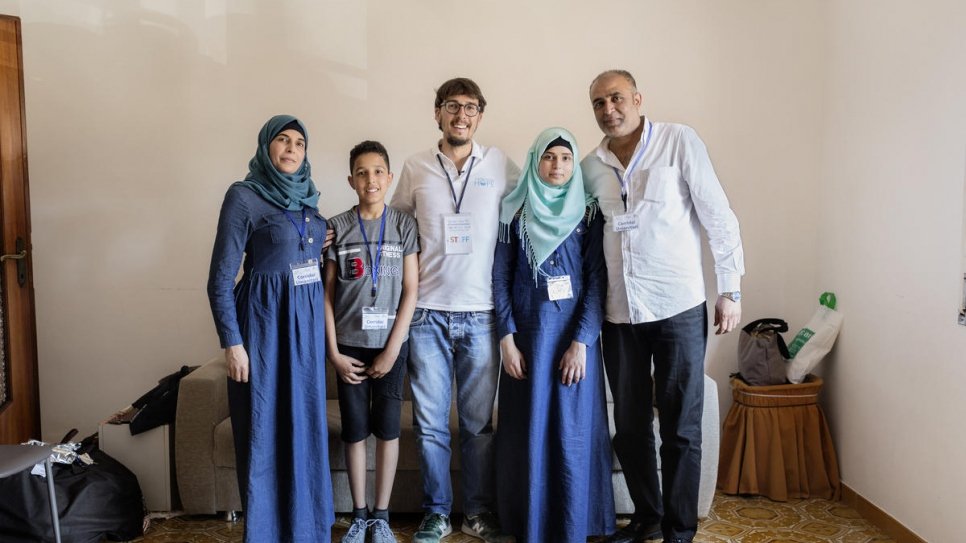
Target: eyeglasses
453, 107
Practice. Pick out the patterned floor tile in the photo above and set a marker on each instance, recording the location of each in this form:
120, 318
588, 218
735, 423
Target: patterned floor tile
733, 519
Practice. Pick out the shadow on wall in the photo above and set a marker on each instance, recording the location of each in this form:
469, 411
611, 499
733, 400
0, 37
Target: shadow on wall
138, 121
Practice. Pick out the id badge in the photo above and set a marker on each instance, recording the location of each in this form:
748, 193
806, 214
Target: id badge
458, 233
304, 273
375, 318
559, 288
625, 222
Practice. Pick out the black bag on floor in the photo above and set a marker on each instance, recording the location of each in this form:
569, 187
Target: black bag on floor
96, 501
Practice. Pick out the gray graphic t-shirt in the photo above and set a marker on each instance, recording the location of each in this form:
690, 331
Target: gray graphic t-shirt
355, 259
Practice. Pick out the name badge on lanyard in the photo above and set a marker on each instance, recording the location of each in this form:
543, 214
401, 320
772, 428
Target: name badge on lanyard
375, 318
629, 221
304, 273
458, 234
559, 288
457, 227
625, 222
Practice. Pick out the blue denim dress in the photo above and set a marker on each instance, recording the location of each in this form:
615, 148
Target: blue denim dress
553, 454
278, 418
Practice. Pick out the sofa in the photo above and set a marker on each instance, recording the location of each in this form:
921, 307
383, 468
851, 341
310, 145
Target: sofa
205, 456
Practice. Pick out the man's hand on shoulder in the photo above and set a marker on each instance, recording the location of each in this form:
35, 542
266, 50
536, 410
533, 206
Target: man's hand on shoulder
727, 315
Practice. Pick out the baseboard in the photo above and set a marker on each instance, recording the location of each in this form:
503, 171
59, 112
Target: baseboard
879, 518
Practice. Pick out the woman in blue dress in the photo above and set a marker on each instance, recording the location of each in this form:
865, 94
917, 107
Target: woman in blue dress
271, 325
552, 442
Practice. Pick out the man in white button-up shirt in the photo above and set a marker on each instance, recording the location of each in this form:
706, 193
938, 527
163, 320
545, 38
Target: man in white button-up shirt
657, 189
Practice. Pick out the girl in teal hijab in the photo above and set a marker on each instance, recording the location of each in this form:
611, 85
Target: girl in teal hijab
552, 443
548, 213
287, 191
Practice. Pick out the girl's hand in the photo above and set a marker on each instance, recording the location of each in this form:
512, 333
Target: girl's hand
513, 361
573, 365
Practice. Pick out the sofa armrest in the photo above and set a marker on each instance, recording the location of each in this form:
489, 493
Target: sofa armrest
711, 442
202, 404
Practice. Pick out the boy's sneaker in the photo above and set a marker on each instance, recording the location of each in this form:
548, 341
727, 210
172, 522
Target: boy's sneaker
357, 531
486, 527
381, 533
434, 527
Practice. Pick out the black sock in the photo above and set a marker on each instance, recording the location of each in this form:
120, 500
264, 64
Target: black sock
362, 512
382, 514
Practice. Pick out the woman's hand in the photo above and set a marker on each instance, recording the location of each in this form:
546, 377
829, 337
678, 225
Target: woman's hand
513, 361
237, 359
350, 370
573, 365
382, 364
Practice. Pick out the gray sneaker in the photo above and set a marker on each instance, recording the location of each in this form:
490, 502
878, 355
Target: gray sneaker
434, 527
381, 533
357, 531
486, 527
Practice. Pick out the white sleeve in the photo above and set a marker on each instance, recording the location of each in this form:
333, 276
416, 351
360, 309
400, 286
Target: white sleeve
714, 212
402, 197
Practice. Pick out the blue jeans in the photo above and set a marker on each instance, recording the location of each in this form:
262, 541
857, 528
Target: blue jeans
444, 344
676, 346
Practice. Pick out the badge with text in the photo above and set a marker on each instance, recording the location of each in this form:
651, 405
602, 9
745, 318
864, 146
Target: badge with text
559, 288
625, 222
375, 318
306, 272
458, 234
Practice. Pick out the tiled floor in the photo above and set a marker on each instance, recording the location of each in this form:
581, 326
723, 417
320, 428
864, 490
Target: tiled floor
732, 520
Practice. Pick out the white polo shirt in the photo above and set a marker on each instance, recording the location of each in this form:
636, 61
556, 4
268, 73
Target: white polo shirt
655, 271
455, 282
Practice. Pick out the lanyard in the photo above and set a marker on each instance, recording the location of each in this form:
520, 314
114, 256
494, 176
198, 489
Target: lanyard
299, 228
459, 203
634, 162
373, 261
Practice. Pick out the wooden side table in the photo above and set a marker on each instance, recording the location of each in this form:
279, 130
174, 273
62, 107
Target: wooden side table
776, 443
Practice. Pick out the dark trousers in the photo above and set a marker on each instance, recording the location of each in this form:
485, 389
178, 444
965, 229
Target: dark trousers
676, 346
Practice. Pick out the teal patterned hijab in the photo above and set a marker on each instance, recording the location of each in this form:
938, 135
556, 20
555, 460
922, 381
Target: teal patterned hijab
548, 214
287, 191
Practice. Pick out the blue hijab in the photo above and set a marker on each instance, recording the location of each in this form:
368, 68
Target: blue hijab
287, 191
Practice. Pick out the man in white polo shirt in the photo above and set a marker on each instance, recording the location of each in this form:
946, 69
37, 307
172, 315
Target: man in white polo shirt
657, 189
454, 190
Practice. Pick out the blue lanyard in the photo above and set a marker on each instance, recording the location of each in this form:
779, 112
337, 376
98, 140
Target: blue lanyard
634, 162
299, 228
469, 172
373, 261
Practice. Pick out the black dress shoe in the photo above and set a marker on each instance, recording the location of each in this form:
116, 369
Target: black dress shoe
635, 532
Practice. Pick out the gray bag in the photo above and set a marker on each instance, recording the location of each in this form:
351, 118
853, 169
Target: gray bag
762, 353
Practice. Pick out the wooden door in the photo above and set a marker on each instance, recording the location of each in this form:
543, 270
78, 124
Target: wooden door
19, 391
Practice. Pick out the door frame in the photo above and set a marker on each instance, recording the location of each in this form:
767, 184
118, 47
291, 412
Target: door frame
20, 414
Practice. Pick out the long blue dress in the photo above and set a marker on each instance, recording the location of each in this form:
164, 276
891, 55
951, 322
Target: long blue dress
553, 453
278, 418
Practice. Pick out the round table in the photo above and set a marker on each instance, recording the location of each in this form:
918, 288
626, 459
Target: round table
776, 443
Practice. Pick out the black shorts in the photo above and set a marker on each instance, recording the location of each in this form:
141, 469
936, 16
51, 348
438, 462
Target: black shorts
374, 405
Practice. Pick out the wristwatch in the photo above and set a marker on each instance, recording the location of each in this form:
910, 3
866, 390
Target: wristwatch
733, 296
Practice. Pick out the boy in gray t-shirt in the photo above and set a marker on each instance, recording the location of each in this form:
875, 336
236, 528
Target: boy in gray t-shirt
371, 281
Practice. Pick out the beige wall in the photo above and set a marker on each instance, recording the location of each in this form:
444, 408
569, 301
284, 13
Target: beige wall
890, 245
140, 114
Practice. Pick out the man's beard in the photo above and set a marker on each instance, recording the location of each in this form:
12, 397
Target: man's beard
456, 142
